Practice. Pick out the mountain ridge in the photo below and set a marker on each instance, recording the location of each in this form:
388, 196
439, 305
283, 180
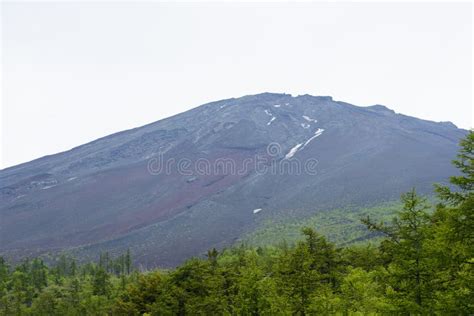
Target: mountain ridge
375, 107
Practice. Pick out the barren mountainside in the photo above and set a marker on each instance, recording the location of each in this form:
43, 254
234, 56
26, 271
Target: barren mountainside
204, 178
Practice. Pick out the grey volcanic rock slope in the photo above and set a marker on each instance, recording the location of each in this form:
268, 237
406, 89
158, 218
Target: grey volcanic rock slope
102, 195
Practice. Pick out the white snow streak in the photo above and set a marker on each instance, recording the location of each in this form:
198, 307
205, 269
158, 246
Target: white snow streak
276, 105
273, 118
48, 187
316, 134
304, 125
309, 119
293, 151
268, 113
255, 211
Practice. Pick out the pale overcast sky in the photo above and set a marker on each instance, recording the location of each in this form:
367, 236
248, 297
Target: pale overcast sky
73, 72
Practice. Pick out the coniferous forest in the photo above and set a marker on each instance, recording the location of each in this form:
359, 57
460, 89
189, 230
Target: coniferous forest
423, 266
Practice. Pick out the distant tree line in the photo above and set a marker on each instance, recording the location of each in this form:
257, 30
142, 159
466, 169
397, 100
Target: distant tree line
423, 266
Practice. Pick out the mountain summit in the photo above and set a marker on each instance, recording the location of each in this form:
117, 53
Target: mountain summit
206, 177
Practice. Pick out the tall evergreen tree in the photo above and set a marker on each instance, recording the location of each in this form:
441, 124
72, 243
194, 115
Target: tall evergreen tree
410, 269
453, 243
101, 282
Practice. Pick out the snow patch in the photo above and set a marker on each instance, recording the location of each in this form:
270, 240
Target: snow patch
305, 125
309, 119
72, 178
270, 114
48, 187
255, 211
223, 106
293, 151
273, 118
316, 134
319, 131
277, 105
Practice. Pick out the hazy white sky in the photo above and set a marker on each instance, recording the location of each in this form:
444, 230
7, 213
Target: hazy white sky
73, 72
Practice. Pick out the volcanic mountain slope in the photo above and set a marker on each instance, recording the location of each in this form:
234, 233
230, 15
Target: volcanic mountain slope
179, 186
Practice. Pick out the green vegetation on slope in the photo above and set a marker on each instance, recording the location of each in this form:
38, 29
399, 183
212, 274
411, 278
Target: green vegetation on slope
341, 226
423, 266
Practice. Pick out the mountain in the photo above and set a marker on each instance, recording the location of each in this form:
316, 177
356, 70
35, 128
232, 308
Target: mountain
206, 177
